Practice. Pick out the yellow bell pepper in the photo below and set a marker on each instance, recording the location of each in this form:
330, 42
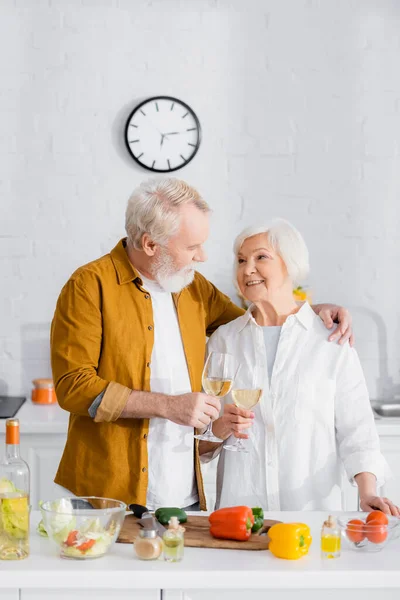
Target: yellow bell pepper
289, 540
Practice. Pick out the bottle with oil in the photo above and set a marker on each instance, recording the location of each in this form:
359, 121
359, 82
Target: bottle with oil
330, 539
173, 541
14, 498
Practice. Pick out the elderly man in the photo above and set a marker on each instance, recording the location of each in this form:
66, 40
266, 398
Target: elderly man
127, 347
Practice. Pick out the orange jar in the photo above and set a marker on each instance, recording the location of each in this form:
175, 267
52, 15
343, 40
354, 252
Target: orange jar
43, 391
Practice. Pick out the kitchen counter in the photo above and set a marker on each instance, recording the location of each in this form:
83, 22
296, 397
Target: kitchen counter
37, 418
206, 569
52, 418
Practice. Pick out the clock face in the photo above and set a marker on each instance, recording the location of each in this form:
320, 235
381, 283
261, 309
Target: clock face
162, 134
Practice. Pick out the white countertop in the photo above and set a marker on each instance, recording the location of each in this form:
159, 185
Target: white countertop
37, 418
52, 419
206, 568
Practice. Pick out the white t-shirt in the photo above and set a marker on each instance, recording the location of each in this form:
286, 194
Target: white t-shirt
170, 447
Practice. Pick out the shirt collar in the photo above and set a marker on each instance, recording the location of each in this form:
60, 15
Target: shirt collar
305, 316
126, 272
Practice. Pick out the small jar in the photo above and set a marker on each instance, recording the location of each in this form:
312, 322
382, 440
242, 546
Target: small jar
148, 545
43, 391
173, 541
330, 539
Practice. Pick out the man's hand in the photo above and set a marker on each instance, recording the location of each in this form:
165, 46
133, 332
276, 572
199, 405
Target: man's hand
368, 503
193, 409
330, 313
234, 420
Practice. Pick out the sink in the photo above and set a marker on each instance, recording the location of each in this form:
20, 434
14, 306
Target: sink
386, 408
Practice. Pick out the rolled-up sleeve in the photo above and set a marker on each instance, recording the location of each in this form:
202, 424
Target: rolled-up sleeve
357, 437
76, 339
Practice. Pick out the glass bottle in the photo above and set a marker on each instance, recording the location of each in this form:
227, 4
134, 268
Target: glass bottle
148, 545
330, 539
173, 541
14, 498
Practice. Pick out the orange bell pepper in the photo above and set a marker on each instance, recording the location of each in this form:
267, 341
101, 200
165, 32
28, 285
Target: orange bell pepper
233, 523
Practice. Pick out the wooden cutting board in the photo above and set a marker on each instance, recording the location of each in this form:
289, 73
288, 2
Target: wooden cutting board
197, 535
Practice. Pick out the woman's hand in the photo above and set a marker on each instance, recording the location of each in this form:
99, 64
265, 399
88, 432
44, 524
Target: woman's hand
234, 421
368, 503
329, 313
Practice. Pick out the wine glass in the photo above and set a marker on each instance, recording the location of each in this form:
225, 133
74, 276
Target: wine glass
217, 379
246, 397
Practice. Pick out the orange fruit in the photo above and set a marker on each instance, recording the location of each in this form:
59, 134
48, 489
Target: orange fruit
375, 532
355, 530
378, 516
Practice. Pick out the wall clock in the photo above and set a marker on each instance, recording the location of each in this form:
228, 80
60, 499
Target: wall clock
162, 134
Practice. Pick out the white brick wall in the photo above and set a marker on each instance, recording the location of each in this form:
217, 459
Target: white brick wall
300, 107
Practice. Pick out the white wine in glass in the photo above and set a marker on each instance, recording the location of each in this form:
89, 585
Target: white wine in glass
217, 380
246, 398
213, 386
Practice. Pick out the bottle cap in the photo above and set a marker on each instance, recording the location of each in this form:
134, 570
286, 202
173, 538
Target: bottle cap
12, 431
148, 533
173, 523
330, 522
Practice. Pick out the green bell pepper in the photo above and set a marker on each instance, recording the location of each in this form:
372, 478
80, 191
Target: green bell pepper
163, 515
258, 519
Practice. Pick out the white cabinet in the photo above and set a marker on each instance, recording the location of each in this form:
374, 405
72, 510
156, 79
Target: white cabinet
87, 594
9, 594
43, 453
277, 594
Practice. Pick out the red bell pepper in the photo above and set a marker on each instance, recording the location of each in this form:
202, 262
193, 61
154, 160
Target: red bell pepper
232, 523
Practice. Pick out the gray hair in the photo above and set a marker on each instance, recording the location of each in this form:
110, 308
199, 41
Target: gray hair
153, 208
284, 239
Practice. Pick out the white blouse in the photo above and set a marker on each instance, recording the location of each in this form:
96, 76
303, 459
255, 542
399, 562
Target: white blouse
314, 416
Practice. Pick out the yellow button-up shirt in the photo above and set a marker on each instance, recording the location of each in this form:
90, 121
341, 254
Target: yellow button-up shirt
102, 339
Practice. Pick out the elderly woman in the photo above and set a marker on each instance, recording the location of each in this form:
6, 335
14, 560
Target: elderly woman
314, 414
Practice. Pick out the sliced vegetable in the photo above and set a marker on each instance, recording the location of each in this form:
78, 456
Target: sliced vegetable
258, 514
72, 538
233, 523
163, 515
86, 545
289, 540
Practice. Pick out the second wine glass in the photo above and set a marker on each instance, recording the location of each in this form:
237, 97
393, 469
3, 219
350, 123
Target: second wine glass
217, 380
245, 396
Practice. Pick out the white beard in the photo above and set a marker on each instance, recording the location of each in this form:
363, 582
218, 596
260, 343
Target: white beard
170, 280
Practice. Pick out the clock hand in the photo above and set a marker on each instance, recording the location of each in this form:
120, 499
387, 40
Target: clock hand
174, 132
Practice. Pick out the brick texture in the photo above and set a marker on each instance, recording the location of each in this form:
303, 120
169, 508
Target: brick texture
300, 107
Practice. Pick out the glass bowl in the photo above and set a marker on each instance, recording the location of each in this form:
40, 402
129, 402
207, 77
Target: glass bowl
84, 527
361, 536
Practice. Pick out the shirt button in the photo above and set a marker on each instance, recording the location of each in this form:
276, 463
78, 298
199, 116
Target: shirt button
144, 469
145, 436
150, 327
148, 365
146, 296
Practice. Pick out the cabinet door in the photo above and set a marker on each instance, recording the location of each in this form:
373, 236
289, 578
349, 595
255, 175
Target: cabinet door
9, 594
277, 594
390, 447
43, 454
88, 594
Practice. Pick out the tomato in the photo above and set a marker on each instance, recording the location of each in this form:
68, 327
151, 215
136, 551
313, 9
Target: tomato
71, 539
86, 545
375, 532
355, 530
377, 516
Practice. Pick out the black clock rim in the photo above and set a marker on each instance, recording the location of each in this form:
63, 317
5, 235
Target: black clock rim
163, 98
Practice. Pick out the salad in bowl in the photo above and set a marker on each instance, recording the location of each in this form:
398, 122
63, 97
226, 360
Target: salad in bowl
83, 527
